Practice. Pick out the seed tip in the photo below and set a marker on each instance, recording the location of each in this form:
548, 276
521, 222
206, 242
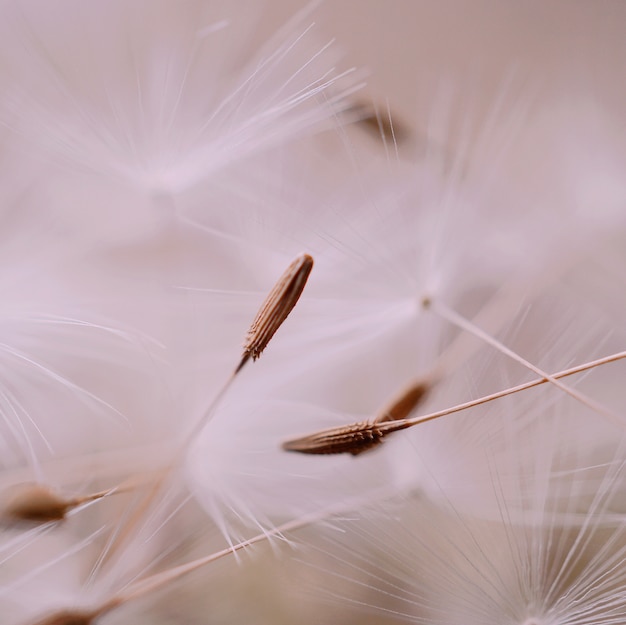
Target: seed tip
276, 307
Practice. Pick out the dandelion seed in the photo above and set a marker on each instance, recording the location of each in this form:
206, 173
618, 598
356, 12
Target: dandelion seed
38, 503
273, 312
402, 405
34, 503
353, 439
386, 128
359, 437
68, 617
276, 308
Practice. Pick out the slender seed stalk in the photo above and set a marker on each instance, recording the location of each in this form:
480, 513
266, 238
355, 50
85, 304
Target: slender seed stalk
158, 581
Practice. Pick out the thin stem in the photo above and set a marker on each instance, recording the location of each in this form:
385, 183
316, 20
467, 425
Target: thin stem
456, 319
161, 580
275, 309
516, 389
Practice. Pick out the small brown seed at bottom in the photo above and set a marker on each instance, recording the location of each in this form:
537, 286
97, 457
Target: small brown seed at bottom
34, 503
67, 617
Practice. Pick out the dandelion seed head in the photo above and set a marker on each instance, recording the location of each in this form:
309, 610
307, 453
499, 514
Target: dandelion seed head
136, 100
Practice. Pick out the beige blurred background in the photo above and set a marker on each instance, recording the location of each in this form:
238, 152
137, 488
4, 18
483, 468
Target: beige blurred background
412, 47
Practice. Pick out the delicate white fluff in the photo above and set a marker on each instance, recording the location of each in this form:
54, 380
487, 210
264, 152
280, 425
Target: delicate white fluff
552, 553
130, 105
157, 174
244, 478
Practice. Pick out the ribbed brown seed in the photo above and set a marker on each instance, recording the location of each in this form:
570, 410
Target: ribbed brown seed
363, 436
276, 307
353, 439
404, 403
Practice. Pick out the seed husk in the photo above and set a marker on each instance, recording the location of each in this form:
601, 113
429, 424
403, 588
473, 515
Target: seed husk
67, 617
405, 402
35, 503
354, 438
276, 308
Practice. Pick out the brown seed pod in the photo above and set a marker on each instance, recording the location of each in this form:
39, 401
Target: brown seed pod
405, 402
31, 502
276, 307
34, 503
353, 439
356, 438
67, 617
